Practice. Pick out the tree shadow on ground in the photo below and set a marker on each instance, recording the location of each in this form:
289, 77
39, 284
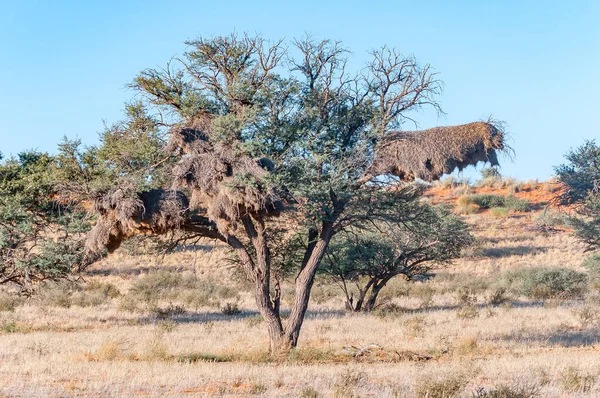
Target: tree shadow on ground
206, 317
497, 252
558, 336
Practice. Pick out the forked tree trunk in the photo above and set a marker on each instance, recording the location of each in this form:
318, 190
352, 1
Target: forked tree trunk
376, 288
281, 339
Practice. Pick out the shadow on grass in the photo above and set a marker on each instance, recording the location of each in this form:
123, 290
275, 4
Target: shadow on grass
497, 252
205, 317
559, 336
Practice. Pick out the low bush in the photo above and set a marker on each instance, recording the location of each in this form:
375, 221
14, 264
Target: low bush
530, 389
499, 212
442, 387
576, 381
547, 282
9, 301
151, 292
488, 201
592, 264
230, 309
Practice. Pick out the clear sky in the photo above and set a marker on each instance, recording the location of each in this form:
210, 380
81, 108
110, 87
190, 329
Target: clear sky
534, 64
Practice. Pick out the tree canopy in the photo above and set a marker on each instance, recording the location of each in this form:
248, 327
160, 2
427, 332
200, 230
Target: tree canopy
273, 148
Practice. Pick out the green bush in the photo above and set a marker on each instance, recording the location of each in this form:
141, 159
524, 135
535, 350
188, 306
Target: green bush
547, 282
153, 289
94, 294
489, 201
499, 212
592, 263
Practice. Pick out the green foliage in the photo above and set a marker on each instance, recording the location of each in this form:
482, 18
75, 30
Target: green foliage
425, 235
580, 173
490, 172
152, 290
547, 282
40, 234
592, 263
489, 201
580, 176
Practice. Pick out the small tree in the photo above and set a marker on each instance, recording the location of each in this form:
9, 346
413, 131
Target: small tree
581, 175
422, 236
38, 231
266, 145
581, 178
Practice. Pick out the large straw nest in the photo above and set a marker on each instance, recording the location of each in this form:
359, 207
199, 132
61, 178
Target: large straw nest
428, 154
222, 179
123, 213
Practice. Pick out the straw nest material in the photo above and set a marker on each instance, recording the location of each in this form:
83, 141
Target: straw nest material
428, 154
123, 213
222, 178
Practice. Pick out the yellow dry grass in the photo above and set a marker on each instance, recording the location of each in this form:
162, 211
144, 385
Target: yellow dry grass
101, 351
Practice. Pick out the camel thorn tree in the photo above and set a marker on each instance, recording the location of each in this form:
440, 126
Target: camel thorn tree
275, 150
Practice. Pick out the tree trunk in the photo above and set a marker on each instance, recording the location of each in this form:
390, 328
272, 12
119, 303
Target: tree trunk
362, 294
377, 286
304, 282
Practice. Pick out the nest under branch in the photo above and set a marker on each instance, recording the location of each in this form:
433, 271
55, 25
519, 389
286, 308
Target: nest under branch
123, 213
428, 154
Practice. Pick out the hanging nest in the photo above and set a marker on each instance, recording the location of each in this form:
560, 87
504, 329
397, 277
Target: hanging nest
222, 178
123, 213
428, 154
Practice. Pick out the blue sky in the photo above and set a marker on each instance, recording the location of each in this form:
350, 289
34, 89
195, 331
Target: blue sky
533, 64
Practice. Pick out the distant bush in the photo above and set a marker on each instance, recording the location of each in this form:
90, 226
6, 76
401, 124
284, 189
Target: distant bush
464, 205
573, 380
444, 387
499, 212
547, 282
530, 389
230, 309
488, 201
149, 293
488, 172
94, 294
592, 263
9, 301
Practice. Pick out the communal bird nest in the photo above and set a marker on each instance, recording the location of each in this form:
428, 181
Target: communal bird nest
428, 154
123, 213
222, 178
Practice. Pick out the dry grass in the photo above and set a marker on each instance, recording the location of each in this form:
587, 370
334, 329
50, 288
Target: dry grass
506, 344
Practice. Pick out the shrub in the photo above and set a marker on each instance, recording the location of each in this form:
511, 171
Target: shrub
573, 380
389, 310
592, 264
168, 311
445, 387
586, 315
8, 301
499, 212
516, 204
488, 172
467, 312
347, 381
488, 201
465, 206
497, 296
231, 309
309, 392
95, 293
449, 182
547, 282
56, 294
514, 390
149, 291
